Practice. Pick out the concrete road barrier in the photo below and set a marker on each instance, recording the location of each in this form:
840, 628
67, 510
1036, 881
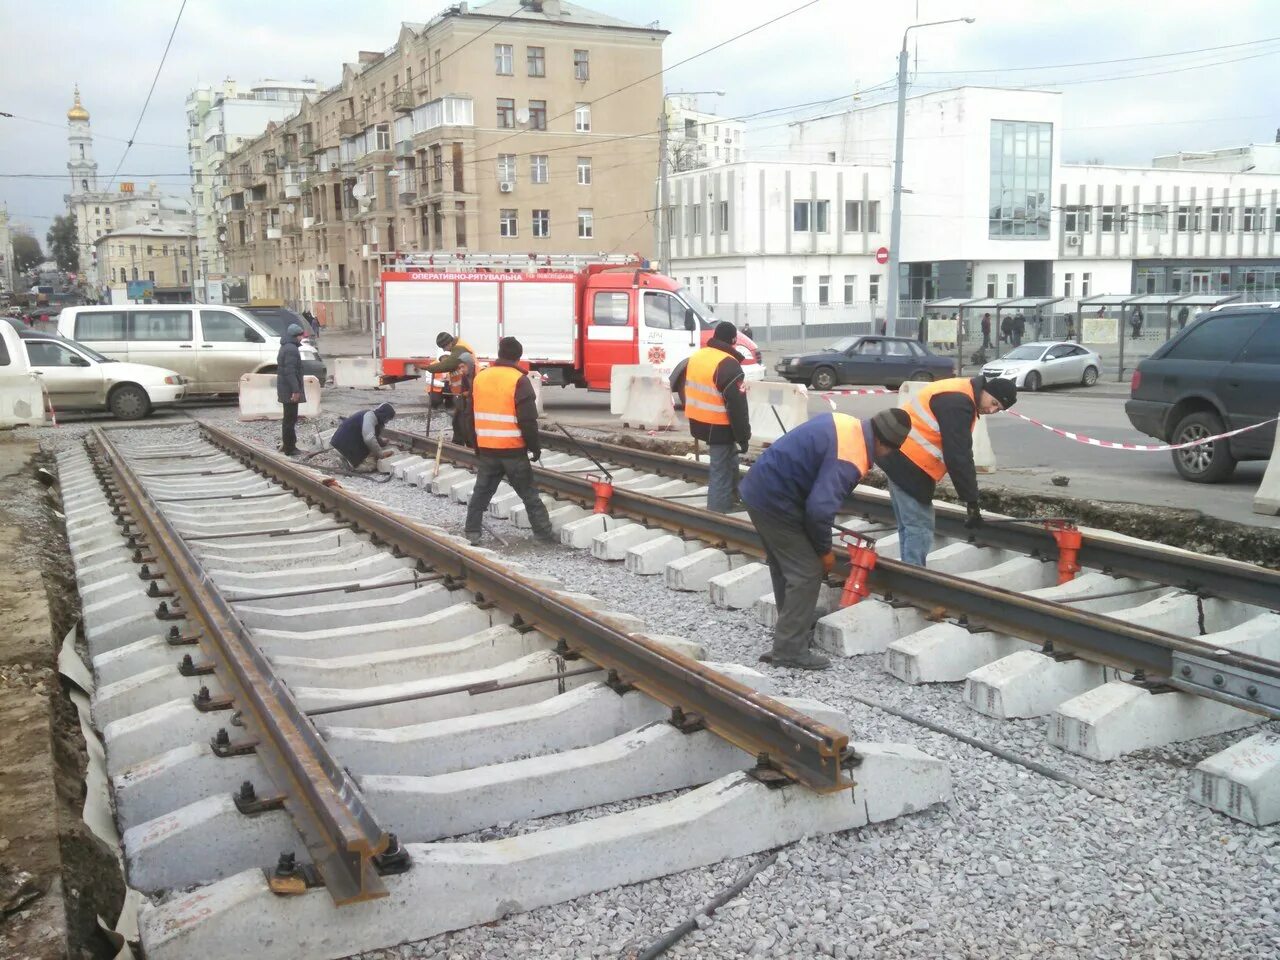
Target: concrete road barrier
649, 403
356, 372
770, 402
1267, 500
620, 377
258, 397
21, 402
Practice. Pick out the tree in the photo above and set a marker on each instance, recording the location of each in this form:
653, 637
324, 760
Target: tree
26, 252
64, 244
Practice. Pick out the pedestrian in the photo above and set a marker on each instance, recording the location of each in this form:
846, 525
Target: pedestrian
504, 424
922, 329
715, 402
359, 436
1135, 322
943, 418
1006, 329
793, 492
1038, 322
310, 317
1183, 314
746, 331
986, 331
1071, 326
289, 390
460, 366
1019, 329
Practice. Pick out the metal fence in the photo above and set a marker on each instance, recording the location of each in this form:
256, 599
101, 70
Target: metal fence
811, 326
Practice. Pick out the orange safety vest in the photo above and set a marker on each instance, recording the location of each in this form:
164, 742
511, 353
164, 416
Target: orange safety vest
702, 400
458, 375
493, 400
924, 444
851, 442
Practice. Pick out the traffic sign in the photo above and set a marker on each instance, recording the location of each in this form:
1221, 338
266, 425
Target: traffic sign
882, 255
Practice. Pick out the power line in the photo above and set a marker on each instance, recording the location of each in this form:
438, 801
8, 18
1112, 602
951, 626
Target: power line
100, 136
1155, 73
1098, 63
138, 126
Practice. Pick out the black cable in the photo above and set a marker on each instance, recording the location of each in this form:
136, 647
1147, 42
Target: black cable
1099, 63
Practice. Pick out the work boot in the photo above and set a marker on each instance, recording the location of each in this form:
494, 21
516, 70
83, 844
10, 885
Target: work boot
473, 537
546, 536
803, 661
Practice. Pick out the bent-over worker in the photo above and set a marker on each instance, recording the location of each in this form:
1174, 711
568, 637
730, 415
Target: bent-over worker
944, 416
460, 365
504, 422
793, 492
359, 436
712, 386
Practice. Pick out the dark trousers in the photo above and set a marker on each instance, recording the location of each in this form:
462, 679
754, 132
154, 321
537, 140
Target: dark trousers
986, 339
462, 422
288, 425
796, 571
519, 474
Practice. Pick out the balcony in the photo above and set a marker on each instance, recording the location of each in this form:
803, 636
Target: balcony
292, 191
404, 148
269, 165
444, 112
308, 148
289, 155
349, 127
293, 230
402, 101
308, 223
348, 168
273, 233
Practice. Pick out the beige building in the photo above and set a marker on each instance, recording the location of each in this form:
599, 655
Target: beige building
518, 125
160, 253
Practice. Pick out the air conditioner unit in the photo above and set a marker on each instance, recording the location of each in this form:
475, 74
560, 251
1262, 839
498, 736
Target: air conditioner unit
1073, 240
506, 186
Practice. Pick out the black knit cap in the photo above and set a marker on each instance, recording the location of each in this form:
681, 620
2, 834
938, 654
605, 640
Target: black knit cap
892, 426
444, 341
725, 331
1004, 390
509, 348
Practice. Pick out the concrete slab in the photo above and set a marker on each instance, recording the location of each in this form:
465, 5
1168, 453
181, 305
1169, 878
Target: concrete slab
694, 570
1028, 683
614, 544
141, 655
458, 619
520, 514
178, 777
337, 609
581, 532
866, 627
149, 733
945, 653
650, 557
765, 610
1242, 781
461, 492
741, 587
151, 688
559, 513
373, 564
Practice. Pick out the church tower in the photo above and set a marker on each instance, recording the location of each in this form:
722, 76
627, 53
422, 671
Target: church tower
81, 166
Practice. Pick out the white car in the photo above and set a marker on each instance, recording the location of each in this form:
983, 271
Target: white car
1046, 364
78, 378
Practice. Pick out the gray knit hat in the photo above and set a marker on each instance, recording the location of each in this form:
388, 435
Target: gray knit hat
892, 426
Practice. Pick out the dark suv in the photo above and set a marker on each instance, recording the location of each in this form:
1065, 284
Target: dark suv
1221, 373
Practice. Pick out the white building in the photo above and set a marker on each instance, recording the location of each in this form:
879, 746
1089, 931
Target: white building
7, 278
697, 139
99, 211
988, 209
219, 122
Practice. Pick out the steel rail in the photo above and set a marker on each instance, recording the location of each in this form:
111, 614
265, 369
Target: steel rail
1189, 665
1207, 576
325, 804
809, 752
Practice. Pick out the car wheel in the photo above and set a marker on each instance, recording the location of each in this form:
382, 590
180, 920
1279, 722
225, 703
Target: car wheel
922, 375
1207, 462
129, 402
824, 378
1090, 376
1032, 383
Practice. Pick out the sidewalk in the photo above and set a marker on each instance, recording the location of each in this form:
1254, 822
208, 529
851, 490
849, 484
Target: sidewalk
346, 343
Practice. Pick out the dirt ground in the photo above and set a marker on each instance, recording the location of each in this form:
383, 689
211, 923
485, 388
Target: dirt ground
56, 877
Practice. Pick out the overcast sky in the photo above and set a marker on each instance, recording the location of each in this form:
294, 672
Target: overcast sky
1218, 97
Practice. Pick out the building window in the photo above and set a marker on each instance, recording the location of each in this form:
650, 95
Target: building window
809, 216
1085, 284
1021, 160
135, 273
582, 118
537, 57
1220, 219
584, 171
586, 223
150, 252
1067, 280
439, 72
873, 288
185, 281
507, 225
797, 291
151, 275
506, 167
824, 290
702, 290
506, 113
460, 222
1252, 219
1155, 218
695, 219
542, 223
382, 133
538, 167
1011, 285
1077, 219
850, 285
164, 250
992, 280
581, 65
538, 114
715, 289
503, 64
724, 216
123, 276
1115, 219
1189, 220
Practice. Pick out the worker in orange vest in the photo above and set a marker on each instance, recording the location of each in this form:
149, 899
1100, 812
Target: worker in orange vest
503, 419
460, 366
716, 404
943, 417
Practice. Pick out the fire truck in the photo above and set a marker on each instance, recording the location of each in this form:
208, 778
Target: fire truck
577, 316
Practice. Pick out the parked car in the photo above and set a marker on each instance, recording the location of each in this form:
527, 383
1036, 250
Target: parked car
79, 378
1045, 364
278, 319
1219, 374
864, 359
211, 346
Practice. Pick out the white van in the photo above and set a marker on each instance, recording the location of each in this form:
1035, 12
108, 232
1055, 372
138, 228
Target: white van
211, 346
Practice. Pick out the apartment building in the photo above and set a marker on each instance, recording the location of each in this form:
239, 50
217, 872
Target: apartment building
698, 138
220, 120
157, 252
518, 125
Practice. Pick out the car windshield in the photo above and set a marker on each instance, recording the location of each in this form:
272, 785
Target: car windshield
279, 318
841, 345
706, 316
1024, 353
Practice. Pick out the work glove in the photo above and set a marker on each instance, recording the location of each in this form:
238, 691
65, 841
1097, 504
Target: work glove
974, 520
828, 562
535, 455
742, 447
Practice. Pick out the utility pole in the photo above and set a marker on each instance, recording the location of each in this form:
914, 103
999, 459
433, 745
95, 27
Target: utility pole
191, 267
664, 202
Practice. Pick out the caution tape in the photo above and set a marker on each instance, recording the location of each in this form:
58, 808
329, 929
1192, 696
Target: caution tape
1140, 447
827, 395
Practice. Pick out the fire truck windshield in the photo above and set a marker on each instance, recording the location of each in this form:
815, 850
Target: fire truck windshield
706, 316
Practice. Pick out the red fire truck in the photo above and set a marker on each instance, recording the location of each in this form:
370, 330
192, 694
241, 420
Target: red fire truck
576, 316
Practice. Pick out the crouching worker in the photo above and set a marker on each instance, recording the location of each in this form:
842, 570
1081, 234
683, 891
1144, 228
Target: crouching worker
793, 492
504, 423
359, 436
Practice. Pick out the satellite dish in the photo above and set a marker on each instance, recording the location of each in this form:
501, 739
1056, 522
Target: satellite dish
522, 115
288, 208
359, 191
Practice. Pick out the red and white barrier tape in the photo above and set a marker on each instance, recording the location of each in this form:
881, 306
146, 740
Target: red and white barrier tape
827, 395
1140, 447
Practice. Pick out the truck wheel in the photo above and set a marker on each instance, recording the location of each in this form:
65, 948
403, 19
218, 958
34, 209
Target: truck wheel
129, 402
1208, 462
824, 378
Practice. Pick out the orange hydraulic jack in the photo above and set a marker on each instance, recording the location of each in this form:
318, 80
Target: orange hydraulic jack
1068, 538
862, 560
604, 492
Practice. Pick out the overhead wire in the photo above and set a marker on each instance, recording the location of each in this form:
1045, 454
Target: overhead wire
1098, 63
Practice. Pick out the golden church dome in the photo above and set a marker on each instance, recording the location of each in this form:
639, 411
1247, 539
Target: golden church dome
77, 111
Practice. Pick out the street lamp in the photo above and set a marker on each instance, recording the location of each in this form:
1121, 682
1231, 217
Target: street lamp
660, 221
895, 218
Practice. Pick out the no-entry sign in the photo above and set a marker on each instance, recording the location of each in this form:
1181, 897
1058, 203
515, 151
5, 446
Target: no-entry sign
882, 255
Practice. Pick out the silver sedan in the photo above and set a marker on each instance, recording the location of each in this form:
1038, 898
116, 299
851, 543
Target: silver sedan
1047, 363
